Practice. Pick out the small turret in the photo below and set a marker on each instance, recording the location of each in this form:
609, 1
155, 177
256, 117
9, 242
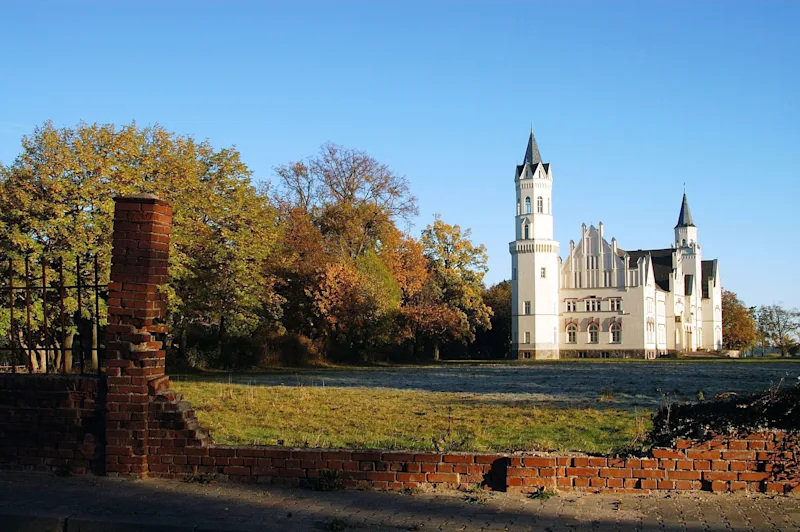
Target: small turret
685, 230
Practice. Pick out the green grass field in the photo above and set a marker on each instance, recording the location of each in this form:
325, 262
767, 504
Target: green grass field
380, 418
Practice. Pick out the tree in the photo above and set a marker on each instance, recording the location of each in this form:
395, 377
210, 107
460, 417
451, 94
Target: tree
341, 209
355, 199
453, 300
356, 302
496, 341
779, 326
739, 329
56, 198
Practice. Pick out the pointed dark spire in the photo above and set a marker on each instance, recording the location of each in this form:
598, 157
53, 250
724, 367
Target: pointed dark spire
685, 217
532, 151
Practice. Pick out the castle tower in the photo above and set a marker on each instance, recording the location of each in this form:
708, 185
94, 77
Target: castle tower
534, 261
691, 334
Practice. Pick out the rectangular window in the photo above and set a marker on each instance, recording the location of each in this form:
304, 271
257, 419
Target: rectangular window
616, 304
543, 273
592, 305
527, 308
513, 274
527, 337
572, 306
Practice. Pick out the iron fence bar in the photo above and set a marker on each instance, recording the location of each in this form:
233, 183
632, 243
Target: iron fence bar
78, 282
44, 314
61, 307
32, 347
34, 288
97, 315
28, 311
11, 312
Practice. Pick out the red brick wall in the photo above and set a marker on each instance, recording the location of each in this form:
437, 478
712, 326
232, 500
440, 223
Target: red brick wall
764, 462
51, 423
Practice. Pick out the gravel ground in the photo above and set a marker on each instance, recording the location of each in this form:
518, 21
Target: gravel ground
103, 505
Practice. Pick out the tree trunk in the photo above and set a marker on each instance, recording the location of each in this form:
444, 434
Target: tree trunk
30, 355
436, 351
95, 325
42, 359
67, 348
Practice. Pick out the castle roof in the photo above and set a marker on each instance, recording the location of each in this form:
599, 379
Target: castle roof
709, 271
662, 263
532, 151
532, 157
685, 217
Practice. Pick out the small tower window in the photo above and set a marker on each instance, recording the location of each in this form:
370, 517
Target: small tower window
539, 205
548, 205
527, 310
526, 232
572, 334
527, 205
527, 337
593, 334
543, 273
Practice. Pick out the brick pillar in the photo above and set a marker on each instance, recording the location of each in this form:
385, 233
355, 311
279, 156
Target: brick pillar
135, 360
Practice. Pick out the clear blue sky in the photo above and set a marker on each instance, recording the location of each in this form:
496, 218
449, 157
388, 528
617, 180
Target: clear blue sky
628, 100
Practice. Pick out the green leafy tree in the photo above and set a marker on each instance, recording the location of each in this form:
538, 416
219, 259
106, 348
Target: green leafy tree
454, 298
496, 341
56, 198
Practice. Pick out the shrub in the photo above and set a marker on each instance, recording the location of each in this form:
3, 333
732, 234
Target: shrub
775, 409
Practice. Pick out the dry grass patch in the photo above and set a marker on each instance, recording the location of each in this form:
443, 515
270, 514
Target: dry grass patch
380, 418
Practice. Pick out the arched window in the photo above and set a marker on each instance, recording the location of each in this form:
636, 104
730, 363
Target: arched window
572, 334
616, 333
593, 334
684, 242
539, 205
526, 232
527, 205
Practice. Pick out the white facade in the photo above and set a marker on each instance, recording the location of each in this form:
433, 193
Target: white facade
603, 301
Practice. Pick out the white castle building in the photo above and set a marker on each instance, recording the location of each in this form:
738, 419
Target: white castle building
603, 301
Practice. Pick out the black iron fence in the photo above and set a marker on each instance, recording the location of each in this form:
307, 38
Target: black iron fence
52, 314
